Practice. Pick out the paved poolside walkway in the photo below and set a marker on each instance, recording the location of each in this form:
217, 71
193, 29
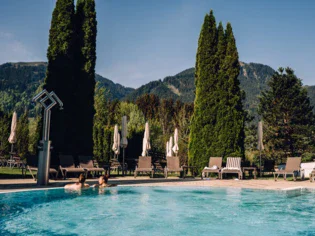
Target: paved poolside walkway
12, 185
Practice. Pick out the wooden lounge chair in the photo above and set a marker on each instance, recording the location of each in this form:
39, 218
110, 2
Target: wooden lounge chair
144, 165
172, 165
31, 165
215, 165
233, 165
67, 165
312, 176
292, 167
86, 162
115, 165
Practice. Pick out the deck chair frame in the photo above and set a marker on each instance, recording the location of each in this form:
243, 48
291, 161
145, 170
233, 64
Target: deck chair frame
172, 165
213, 161
67, 166
52, 171
32, 165
292, 167
86, 162
231, 164
144, 165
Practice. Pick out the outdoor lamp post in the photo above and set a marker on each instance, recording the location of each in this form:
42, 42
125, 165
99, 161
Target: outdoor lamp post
48, 101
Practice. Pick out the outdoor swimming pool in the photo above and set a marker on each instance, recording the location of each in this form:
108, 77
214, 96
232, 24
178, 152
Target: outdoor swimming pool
158, 211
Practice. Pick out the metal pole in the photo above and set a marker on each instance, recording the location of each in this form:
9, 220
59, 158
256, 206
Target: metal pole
123, 172
43, 164
260, 161
11, 156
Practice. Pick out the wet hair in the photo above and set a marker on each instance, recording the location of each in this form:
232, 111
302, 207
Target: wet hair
81, 178
106, 178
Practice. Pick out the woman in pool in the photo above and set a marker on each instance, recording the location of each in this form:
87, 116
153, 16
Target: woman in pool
79, 185
102, 182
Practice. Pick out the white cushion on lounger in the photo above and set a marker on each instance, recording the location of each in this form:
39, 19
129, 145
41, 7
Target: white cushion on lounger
211, 168
231, 168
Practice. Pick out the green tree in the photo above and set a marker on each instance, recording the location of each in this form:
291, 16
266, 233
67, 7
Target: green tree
166, 114
231, 115
60, 77
85, 54
5, 126
135, 117
35, 129
22, 133
148, 104
204, 117
100, 121
217, 127
287, 115
183, 121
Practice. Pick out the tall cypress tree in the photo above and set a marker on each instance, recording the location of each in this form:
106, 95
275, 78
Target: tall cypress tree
217, 127
233, 121
204, 117
60, 76
86, 30
221, 85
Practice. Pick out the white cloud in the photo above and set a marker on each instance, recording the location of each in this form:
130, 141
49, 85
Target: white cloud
13, 50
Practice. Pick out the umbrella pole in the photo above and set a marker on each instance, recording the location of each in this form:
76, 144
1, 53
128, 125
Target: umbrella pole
123, 169
11, 156
260, 161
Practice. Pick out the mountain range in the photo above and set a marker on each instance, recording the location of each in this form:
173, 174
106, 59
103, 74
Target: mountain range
19, 82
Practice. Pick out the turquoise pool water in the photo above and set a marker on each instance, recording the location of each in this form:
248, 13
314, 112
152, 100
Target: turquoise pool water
158, 211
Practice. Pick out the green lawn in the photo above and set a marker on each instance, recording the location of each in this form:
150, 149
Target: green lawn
12, 173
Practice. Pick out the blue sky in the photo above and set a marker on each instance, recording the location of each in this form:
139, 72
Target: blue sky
143, 40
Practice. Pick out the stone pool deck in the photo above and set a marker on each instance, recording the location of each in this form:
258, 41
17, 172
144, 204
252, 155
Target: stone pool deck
12, 185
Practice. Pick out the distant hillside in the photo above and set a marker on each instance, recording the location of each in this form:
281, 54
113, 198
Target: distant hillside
116, 91
18, 84
20, 81
181, 86
253, 78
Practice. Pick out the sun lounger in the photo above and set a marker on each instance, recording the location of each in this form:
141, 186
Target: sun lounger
115, 165
292, 167
67, 166
312, 176
233, 165
144, 165
172, 165
3, 161
31, 165
215, 165
86, 162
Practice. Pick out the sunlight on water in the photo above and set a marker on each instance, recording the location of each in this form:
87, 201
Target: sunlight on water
158, 211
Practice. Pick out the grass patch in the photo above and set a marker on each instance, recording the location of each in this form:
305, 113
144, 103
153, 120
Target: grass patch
12, 173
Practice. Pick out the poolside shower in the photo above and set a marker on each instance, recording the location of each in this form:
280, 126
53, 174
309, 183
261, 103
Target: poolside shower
48, 101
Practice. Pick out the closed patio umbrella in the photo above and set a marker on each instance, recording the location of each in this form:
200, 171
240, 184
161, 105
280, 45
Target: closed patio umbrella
146, 146
167, 149
116, 143
12, 138
260, 145
175, 148
170, 145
